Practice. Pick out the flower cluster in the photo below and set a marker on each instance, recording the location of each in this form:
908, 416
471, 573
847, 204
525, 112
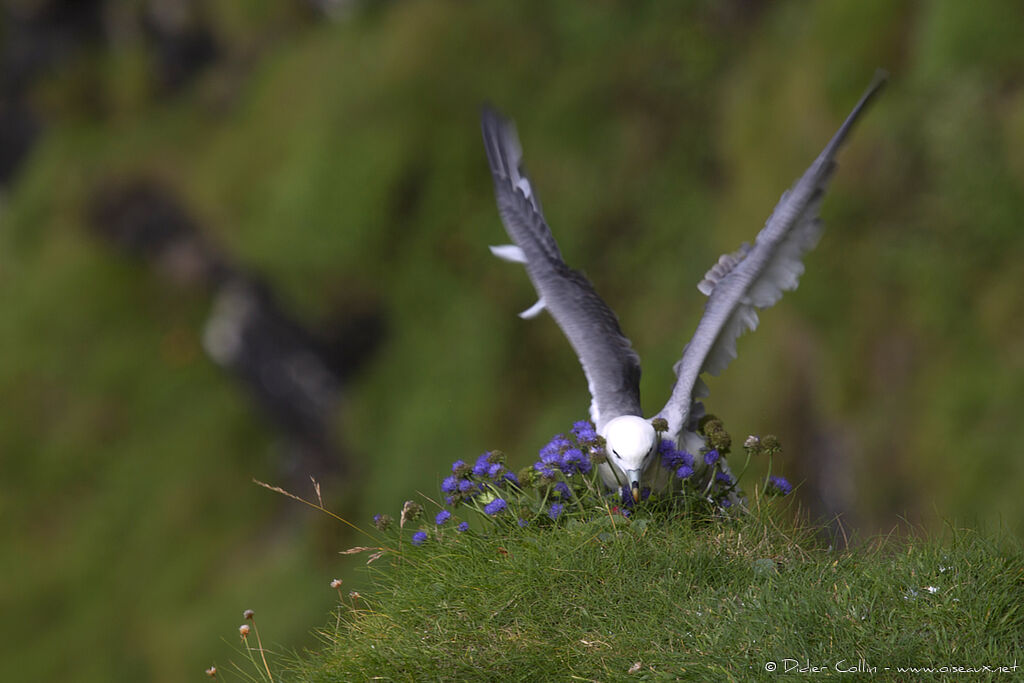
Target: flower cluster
779, 486
570, 456
676, 461
466, 482
495, 506
563, 483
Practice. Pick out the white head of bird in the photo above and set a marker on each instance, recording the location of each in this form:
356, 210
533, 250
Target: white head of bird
630, 442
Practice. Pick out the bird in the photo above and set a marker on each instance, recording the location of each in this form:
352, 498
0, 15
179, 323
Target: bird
737, 286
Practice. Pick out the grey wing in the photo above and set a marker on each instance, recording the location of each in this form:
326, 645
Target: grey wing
755, 277
609, 362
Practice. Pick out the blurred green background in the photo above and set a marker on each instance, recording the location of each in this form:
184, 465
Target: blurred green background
333, 148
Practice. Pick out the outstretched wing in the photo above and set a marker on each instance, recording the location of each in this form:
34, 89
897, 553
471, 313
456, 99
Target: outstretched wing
609, 362
755, 276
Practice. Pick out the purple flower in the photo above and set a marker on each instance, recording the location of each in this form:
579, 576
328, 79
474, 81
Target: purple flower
552, 451
482, 465
781, 485
458, 465
545, 472
627, 495
584, 431
684, 472
449, 484
563, 490
672, 458
494, 470
561, 454
555, 510
725, 503
711, 457
465, 486
573, 461
495, 506
522, 522
419, 537
723, 478
510, 478
463, 526
442, 517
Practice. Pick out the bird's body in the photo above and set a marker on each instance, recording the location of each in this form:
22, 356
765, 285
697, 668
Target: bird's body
739, 284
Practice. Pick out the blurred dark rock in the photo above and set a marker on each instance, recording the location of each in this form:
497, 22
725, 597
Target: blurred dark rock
180, 40
19, 129
142, 219
39, 36
36, 38
293, 373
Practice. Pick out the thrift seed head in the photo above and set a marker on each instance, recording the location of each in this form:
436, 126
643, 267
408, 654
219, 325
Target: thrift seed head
336, 583
382, 522
714, 432
411, 511
243, 630
212, 672
660, 424
248, 614
527, 476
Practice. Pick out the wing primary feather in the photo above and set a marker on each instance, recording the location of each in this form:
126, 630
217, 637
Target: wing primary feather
611, 366
755, 277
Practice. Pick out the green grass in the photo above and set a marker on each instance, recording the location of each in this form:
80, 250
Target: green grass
690, 598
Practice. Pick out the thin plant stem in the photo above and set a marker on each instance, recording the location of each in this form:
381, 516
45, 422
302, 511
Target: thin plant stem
263, 655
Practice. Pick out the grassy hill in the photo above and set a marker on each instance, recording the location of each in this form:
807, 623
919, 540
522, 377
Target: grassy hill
652, 599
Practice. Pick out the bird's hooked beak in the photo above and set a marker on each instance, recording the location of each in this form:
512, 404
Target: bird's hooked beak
633, 477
